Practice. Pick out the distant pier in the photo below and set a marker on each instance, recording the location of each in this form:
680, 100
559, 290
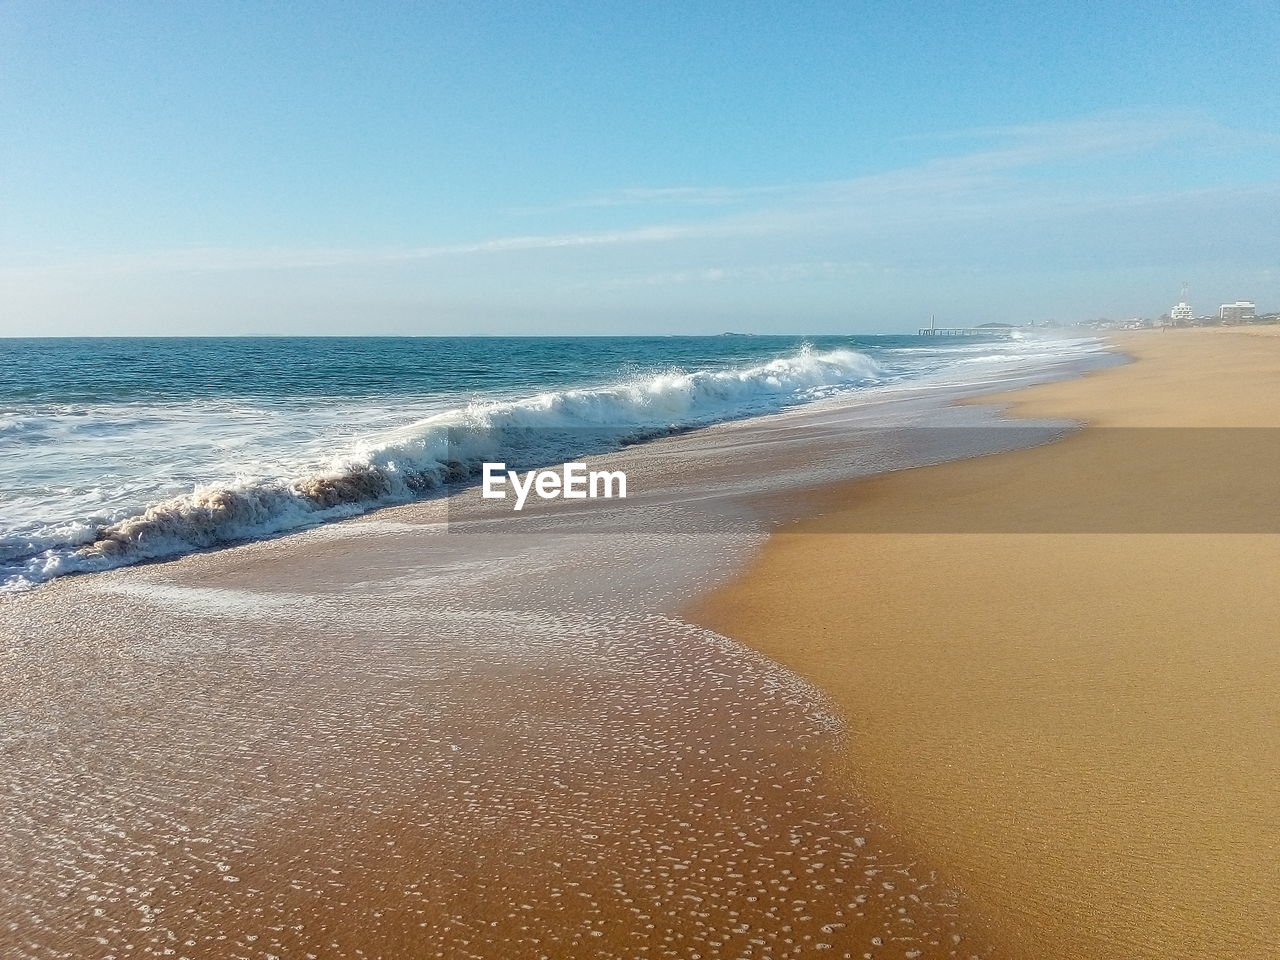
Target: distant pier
989, 331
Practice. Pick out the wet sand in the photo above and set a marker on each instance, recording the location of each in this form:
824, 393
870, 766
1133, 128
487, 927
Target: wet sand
1060, 667
305, 789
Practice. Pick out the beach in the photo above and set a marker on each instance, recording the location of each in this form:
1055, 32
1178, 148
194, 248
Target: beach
448, 729
791, 697
1058, 667
644, 481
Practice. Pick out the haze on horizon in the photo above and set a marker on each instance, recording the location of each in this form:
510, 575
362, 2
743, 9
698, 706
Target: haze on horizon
556, 168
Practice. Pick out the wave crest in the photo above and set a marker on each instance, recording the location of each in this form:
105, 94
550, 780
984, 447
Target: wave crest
448, 448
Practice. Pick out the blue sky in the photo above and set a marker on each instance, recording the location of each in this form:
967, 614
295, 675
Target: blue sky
224, 168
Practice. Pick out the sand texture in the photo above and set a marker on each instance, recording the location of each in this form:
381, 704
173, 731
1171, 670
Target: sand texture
1060, 667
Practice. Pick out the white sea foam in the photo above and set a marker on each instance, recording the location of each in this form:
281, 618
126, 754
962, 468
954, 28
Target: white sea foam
410, 461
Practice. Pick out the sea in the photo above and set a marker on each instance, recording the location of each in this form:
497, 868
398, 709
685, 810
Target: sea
120, 450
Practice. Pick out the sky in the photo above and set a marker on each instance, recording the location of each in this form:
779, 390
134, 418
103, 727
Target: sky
225, 168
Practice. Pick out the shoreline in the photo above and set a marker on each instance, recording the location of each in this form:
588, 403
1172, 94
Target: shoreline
438, 452
1076, 727
457, 732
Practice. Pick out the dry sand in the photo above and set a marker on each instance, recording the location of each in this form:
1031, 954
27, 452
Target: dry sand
1072, 706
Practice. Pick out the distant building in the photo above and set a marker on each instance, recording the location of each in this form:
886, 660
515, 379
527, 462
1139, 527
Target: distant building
1182, 311
1240, 310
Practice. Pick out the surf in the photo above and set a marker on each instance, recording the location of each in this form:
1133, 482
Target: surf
425, 457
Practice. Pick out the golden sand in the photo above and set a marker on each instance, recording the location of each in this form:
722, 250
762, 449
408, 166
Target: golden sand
1080, 729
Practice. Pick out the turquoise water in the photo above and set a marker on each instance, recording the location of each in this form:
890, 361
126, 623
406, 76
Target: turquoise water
322, 369
116, 450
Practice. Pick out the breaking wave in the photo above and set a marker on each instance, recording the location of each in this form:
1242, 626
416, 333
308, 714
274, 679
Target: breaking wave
425, 456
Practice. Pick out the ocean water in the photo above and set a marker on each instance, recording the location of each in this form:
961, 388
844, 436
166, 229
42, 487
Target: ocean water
114, 451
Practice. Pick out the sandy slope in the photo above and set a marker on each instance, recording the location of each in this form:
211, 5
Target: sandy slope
1073, 704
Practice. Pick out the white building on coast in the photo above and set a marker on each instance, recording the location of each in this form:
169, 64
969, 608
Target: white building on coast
1240, 310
